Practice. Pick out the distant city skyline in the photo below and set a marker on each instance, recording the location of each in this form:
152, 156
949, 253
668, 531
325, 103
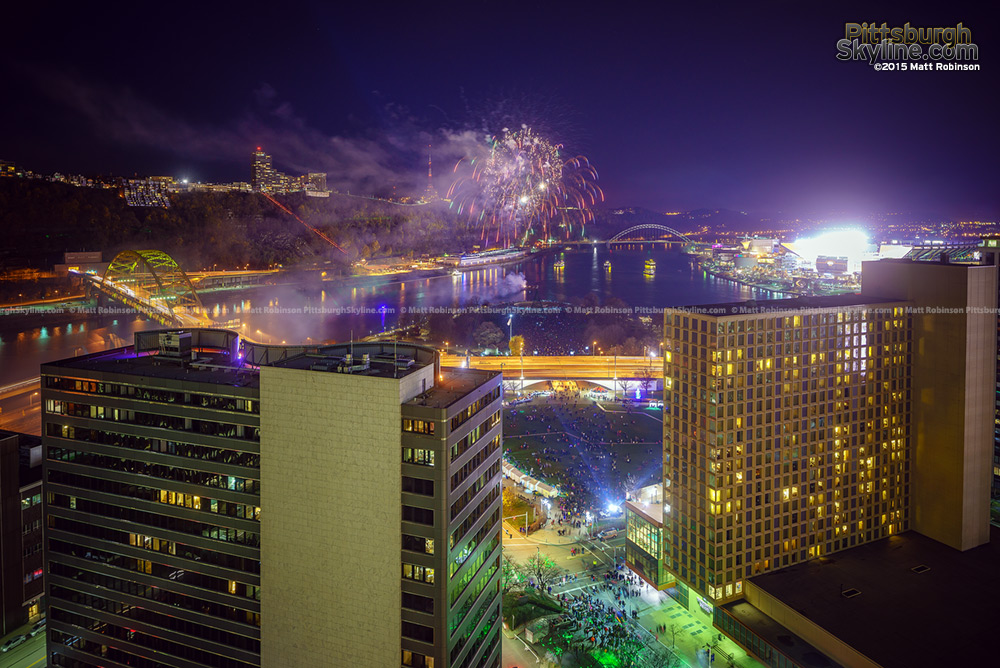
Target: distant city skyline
750, 119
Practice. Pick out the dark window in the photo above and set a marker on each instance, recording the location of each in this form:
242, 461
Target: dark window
418, 515
418, 632
418, 486
418, 603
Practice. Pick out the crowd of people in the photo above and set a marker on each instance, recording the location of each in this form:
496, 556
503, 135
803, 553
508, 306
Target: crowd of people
600, 623
590, 454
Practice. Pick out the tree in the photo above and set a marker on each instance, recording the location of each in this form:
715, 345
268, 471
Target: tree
511, 576
621, 385
517, 346
441, 327
488, 335
645, 380
542, 569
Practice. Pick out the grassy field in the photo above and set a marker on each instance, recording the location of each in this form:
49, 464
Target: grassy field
586, 449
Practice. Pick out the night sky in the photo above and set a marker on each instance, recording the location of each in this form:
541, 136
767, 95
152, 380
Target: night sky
678, 108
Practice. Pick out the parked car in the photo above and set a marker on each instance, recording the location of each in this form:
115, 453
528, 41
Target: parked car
39, 627
13, 642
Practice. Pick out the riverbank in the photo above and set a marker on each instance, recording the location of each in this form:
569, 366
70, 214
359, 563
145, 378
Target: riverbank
772, 288
42, 302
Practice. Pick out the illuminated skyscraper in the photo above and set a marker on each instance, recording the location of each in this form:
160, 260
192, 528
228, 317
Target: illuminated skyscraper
264, 178
261, 171
798, 428
784, 437
212, 504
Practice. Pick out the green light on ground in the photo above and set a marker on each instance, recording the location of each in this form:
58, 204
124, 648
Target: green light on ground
607, 659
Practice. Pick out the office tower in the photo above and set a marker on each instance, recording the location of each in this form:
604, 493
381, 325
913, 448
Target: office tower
20, 530
219, 504
152, 474
784, 438
954, 359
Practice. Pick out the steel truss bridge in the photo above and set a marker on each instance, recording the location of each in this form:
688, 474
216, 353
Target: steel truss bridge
151, 282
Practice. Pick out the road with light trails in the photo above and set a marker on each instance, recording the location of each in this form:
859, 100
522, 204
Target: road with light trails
563, 367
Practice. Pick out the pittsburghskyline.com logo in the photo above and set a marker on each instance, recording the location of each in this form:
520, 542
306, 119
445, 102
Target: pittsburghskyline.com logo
908, 48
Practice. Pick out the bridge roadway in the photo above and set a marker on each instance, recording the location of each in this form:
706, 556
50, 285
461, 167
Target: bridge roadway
142, 301
565, 367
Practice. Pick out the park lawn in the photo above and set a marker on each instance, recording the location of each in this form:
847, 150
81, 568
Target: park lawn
515, 509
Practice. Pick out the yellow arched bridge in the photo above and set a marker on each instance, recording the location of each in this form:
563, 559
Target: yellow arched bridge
151, 282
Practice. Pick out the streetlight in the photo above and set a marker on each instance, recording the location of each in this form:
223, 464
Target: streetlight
510, 326
594, 349
31, 399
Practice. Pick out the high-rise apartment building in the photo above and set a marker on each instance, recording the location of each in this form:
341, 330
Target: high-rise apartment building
795, 429
219, 504
265, 178
785, 438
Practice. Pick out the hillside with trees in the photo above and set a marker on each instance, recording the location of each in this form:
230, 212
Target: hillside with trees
41, 220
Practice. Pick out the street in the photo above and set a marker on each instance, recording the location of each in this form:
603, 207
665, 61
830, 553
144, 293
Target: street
30, 654
653, 608
20, 408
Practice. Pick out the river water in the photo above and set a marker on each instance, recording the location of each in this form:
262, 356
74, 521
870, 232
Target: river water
329, 310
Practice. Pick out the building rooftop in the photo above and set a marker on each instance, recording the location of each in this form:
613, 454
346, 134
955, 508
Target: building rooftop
651, 512
921, 603
361, 359
208, 367
779, 305
776, 635
452, 385
218, 357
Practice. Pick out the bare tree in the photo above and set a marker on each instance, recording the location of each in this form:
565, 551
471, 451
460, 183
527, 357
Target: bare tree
622, 385
542, 569
511, 576
645, 380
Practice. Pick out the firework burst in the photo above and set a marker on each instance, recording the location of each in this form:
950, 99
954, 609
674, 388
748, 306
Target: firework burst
521, 186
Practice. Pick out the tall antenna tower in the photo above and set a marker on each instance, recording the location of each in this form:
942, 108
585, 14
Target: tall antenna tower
430, 195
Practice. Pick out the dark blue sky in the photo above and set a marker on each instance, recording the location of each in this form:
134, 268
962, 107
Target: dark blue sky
746, 108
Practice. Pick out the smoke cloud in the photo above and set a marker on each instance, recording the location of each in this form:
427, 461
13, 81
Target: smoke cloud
397, 156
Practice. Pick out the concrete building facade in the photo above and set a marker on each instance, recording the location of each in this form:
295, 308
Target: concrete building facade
218, 504
954, 366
